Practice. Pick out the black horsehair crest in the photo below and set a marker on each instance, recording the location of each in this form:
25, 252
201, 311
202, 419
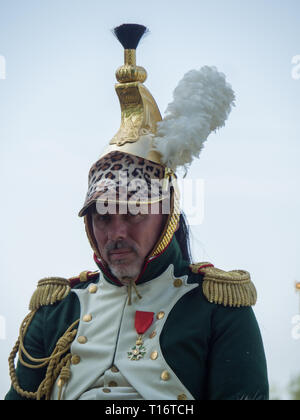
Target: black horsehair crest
130, 34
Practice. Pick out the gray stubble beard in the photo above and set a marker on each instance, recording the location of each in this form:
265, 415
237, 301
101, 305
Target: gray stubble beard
126, 274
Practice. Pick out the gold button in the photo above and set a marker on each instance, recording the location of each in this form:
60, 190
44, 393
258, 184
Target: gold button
154, 355
93, 288
178, 283
153, 334
106, 390
160, 315
59, 383
165, 376
75, 359
82, 339
112, 383
87, 318
182, 397
114, 369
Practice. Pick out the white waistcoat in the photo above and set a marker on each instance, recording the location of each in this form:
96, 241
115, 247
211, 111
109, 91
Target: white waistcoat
109, 334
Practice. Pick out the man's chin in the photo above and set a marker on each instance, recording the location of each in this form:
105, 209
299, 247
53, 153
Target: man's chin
124, 272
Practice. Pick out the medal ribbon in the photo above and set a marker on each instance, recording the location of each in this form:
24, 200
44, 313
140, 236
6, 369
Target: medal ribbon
143, 321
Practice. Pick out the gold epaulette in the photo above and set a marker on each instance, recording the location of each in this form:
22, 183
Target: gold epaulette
54, 289
49, 291
228, 288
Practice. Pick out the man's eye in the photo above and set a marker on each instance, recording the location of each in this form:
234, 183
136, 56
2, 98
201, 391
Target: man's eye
135, 217
102, 218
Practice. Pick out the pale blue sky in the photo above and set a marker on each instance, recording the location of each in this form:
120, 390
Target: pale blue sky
58, 109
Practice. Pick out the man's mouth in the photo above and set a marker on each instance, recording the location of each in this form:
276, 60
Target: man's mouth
118, 254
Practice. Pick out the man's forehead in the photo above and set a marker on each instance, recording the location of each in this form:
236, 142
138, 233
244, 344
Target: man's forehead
158, 207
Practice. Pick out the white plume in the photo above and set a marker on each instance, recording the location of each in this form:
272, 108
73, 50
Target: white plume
202, 103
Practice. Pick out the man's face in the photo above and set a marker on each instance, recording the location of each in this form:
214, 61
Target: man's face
124, 241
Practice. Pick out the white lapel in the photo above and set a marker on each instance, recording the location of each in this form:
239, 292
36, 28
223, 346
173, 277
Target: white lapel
152, 377
109, 334
105, 305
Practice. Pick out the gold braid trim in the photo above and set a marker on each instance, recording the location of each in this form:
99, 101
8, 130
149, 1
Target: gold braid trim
49, 291
57, 364
232, 288
172, 221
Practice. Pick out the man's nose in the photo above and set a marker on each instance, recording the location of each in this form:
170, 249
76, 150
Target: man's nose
117, 228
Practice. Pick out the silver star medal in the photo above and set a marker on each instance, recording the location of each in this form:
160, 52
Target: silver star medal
138, 351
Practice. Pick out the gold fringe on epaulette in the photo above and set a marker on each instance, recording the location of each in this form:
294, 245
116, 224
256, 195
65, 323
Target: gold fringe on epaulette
49, 291
233, 288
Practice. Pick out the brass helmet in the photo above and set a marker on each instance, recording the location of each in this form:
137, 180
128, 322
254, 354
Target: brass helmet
126, 171
139, 164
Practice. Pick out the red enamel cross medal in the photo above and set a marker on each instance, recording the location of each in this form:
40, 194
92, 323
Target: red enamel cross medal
142, 322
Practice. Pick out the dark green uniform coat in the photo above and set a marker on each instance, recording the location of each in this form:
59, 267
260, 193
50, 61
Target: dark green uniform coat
209, 351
